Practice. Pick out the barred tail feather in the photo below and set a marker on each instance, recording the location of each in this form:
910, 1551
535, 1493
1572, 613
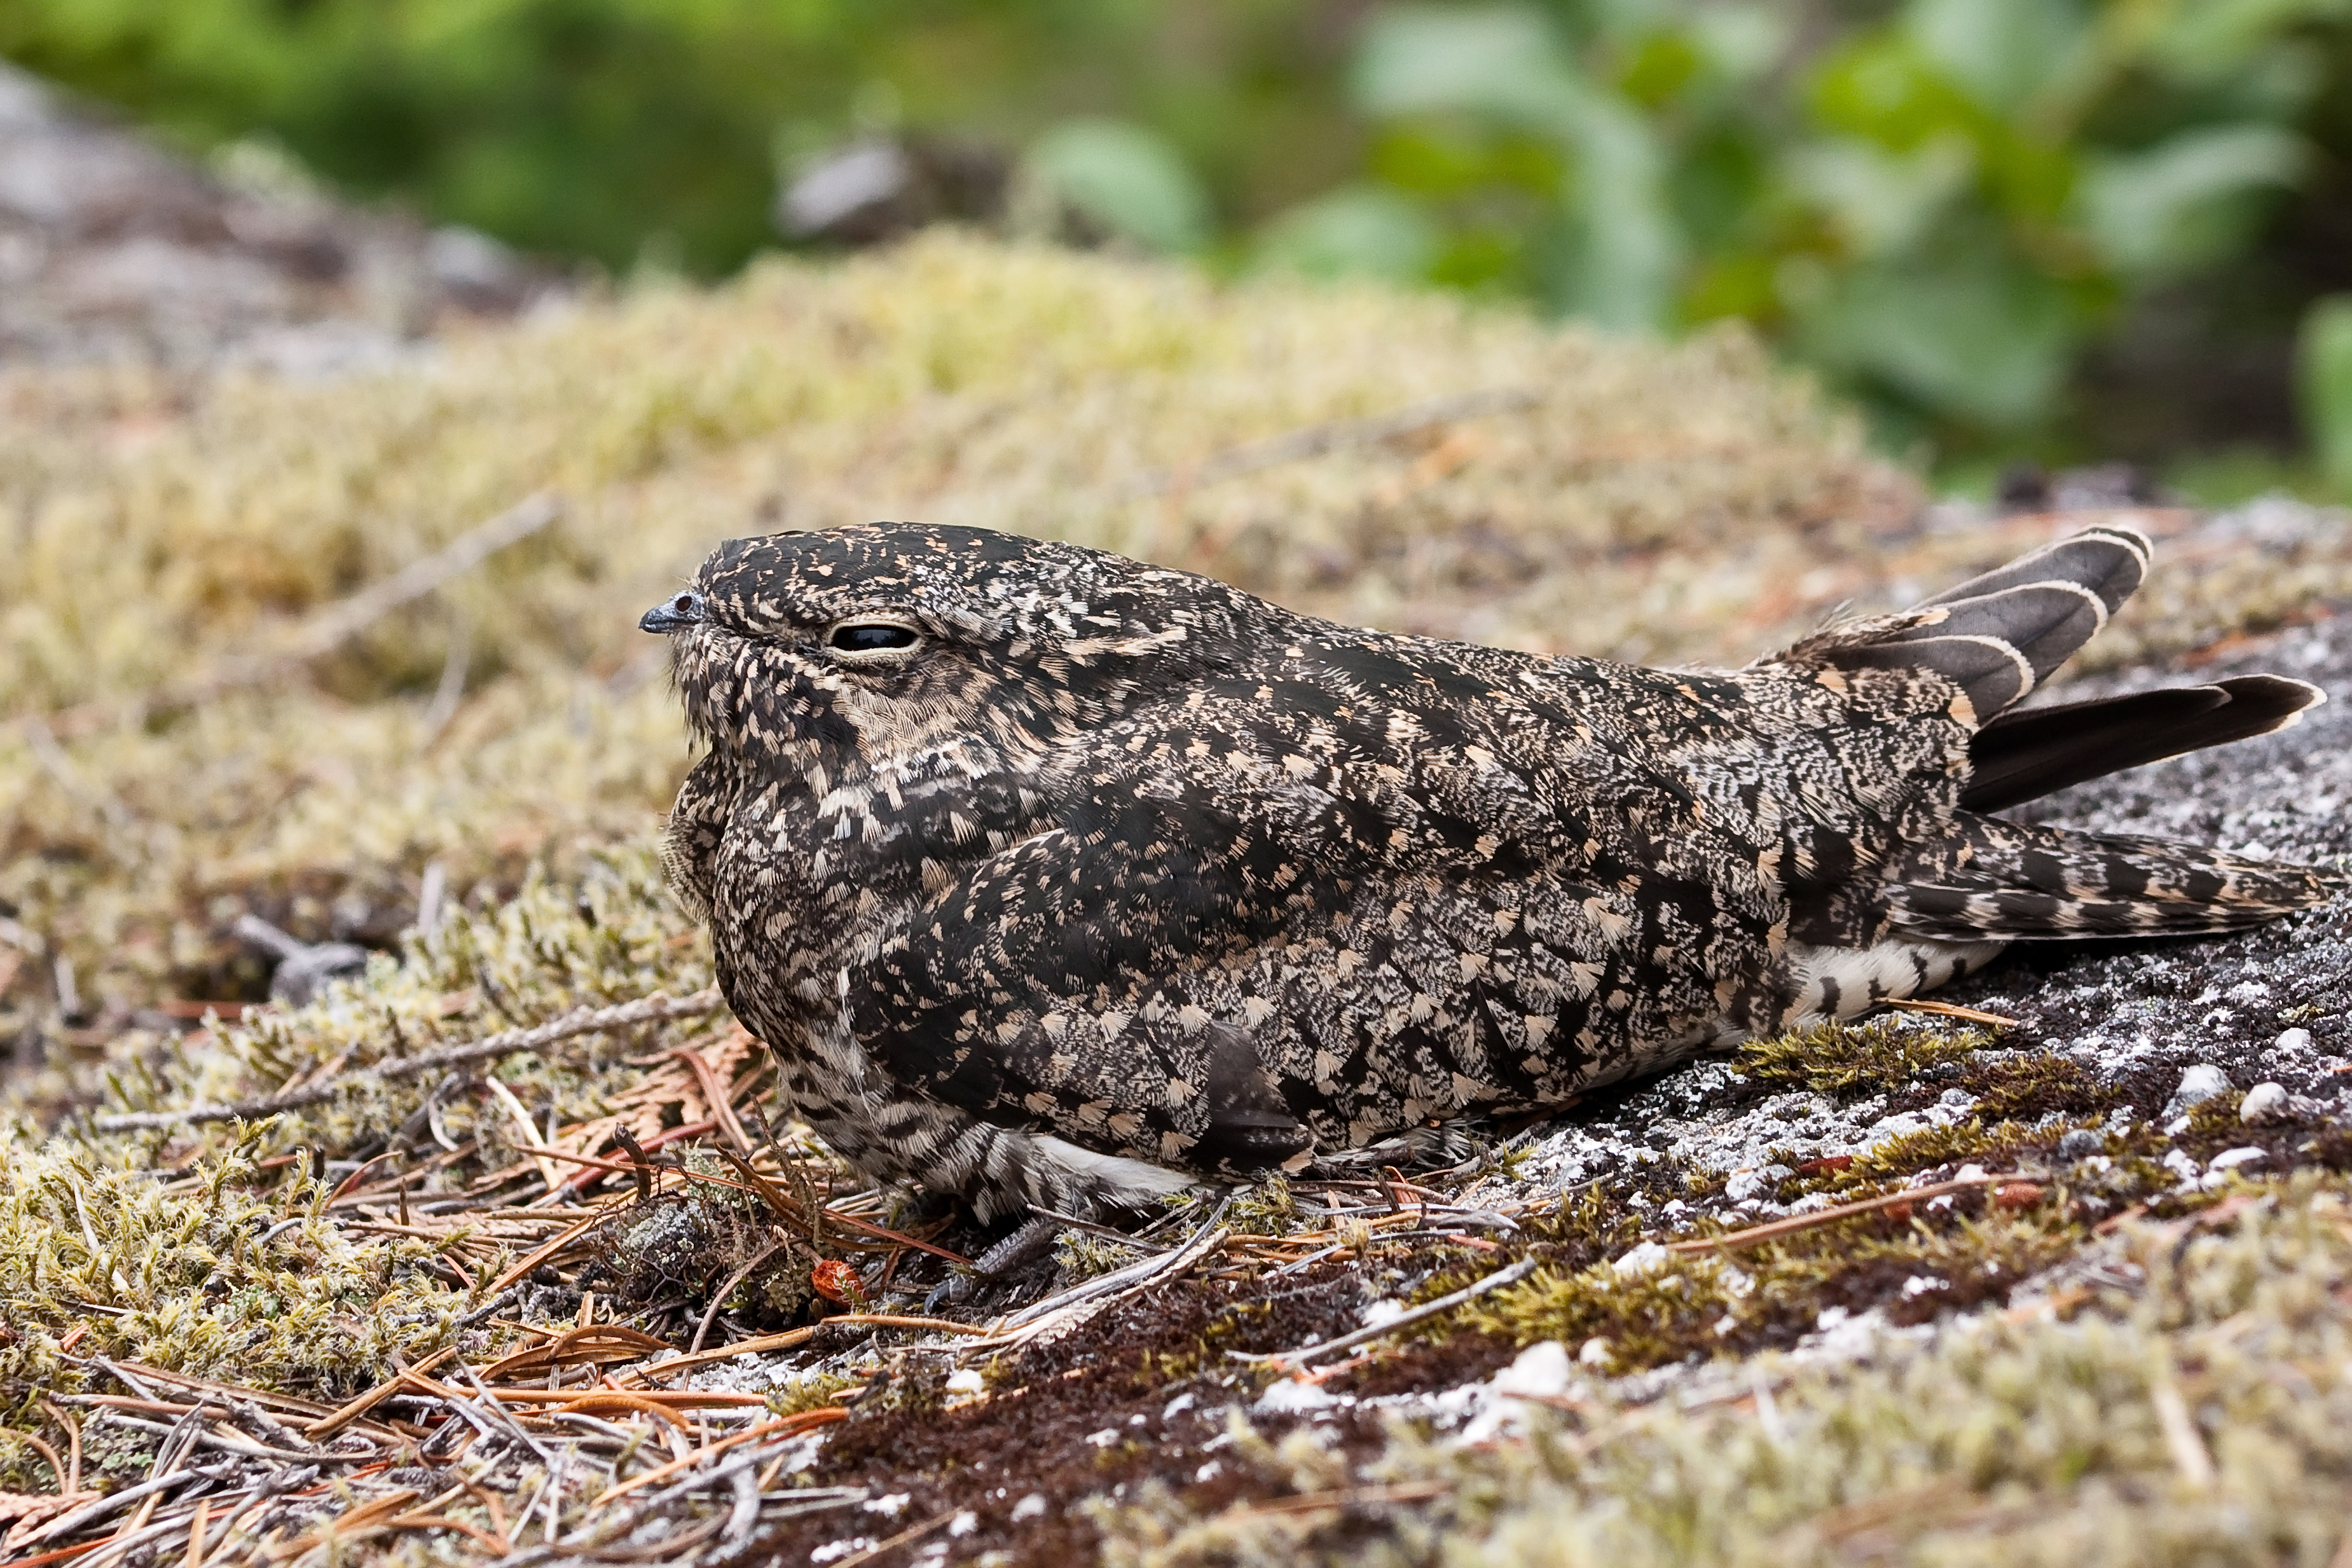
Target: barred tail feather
1999, 636
2003, 880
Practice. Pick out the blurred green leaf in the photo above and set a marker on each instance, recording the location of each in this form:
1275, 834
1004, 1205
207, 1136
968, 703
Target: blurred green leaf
1884, 202
1738, 42
1123, 179
1438, 159
2002, 53
2180, 203
1660, 69
1611, 250
1972, 331
578, 127
1366, 231
1501, 61
1481, 258
1877, 86
1617, 252
2204, 40
2323, 362
1945, 206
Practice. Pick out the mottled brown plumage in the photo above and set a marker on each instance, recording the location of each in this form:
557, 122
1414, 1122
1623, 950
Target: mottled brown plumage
1053, 876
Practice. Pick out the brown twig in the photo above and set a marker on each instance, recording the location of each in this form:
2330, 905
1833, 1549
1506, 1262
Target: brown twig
56, 1464
656, 1008
346, 1524
759, 1344
1948, 1010
778, 1426
675, 1399
718, 1296
1773, 1230
284, 1403
330, 628
329, 1425
546, 1250
197, 1523
609, 1401
62, 1555
769, 1193
714, 1094
1426, 1311
589, 1344
532, 1142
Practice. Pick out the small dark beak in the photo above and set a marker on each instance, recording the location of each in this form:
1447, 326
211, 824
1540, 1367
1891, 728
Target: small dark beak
674, 613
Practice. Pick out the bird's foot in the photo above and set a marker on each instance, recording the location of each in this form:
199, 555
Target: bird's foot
1017, 1251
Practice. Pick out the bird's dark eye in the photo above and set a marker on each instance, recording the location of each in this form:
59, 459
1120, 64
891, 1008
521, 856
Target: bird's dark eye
871, 637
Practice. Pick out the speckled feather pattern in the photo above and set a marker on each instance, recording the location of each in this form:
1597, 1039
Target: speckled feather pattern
1117, 871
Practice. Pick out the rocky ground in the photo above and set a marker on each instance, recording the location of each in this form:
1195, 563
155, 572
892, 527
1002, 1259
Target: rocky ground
113, 251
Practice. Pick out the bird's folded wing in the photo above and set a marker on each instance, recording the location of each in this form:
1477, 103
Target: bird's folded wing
1056, 987
1087, 980
2020, 882
1095, 980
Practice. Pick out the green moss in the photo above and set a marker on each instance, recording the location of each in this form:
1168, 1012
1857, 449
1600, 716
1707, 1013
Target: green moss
2024, 1085
1589, 1222
225, 1271
813, 1393
1206, 1330
1266, 1208
1640, 1320
1908, 1153
1850, 1060
1708, 1305
611, 934
1081, 1255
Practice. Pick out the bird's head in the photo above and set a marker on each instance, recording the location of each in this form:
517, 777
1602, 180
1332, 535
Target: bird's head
888, 641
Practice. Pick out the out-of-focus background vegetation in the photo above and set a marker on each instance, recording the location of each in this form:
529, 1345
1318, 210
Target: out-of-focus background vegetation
2047, 230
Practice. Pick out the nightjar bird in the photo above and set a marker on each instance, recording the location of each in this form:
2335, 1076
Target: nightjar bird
1054, 878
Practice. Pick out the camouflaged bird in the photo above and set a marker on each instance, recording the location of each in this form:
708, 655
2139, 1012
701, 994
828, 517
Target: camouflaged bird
1054, 878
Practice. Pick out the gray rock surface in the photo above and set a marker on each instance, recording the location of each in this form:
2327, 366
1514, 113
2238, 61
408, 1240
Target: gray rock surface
113, 251
2269, 1005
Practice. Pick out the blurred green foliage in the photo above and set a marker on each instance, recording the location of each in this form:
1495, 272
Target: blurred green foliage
590, 127
1945, 205
1940, 206
2326, 376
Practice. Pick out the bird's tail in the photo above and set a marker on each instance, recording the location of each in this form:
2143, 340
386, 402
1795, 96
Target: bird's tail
2026, 752
2000, 636
2008, 880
